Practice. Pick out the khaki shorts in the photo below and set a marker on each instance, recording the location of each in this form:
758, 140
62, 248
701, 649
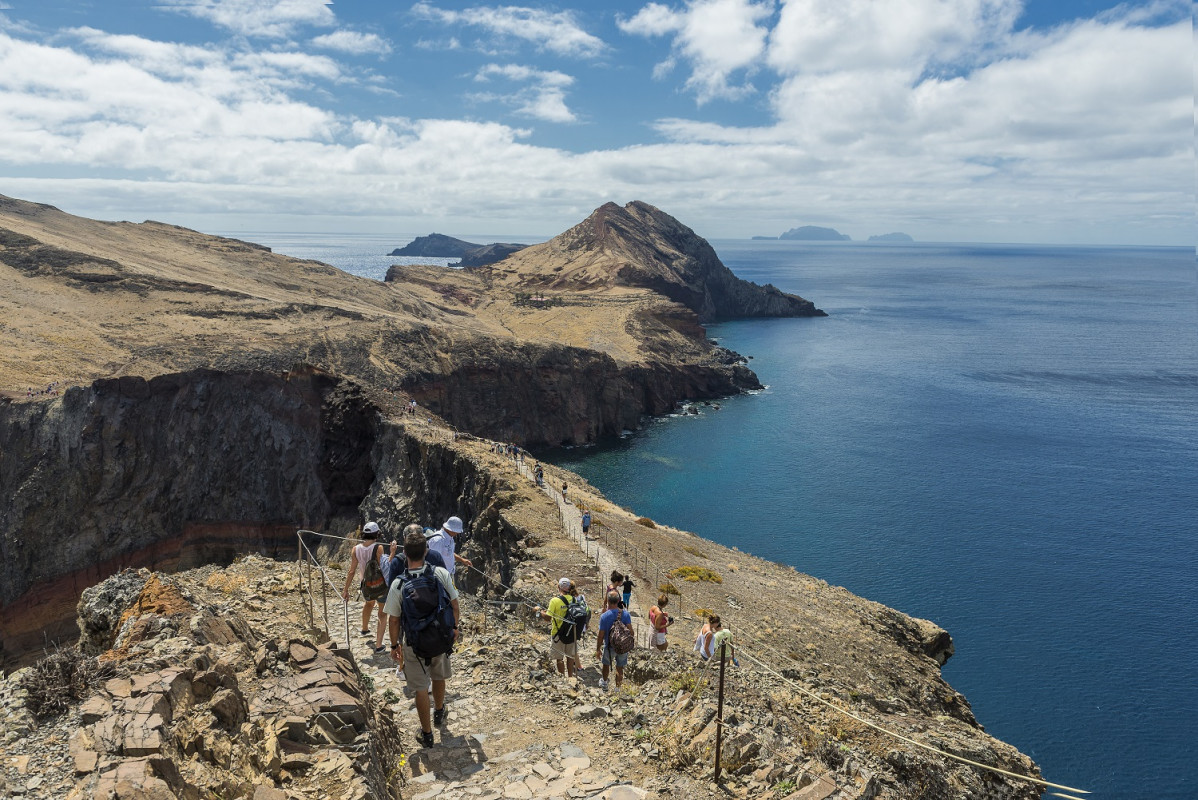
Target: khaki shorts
420, 677
559, 651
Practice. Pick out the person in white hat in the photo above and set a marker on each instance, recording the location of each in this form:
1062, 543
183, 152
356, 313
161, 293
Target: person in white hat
443, 542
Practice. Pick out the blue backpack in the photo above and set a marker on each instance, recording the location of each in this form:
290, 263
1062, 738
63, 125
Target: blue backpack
426, 614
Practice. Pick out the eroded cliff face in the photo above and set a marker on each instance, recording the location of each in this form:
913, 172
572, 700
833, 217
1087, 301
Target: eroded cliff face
198, 467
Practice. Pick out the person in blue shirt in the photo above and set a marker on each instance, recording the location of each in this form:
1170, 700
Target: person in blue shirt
603, 649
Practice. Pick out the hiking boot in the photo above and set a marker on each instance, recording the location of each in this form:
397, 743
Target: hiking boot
438, 716
602, 683
426, 739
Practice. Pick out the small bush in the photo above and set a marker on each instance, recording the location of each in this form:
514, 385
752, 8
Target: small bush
694, 574
703, 613
62, 678
683, 681
669, 588
648, 523
694, 551
784, 787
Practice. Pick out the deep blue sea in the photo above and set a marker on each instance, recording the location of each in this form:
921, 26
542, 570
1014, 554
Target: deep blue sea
1002, 439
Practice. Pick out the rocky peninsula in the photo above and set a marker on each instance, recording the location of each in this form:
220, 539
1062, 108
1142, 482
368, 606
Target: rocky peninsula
221, 397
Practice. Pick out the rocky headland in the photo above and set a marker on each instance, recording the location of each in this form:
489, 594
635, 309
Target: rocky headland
221, 398
438, 245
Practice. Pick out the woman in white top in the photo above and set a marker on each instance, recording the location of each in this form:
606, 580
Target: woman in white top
705, 641
362, 554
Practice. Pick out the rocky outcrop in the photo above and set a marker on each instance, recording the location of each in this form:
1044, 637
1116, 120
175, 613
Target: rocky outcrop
438, 245
435, 245
639, 245
205, 706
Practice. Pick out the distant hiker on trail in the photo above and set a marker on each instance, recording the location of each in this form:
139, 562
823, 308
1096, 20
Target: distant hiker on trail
443, 542
563, 633
424, 614
363, 555
627, 587
614, 640
397, 561
659, 620
586, 521
539, 474
565, 489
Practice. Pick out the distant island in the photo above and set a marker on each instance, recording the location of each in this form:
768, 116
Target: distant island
764, 238
438, 245
891, 237
814, 233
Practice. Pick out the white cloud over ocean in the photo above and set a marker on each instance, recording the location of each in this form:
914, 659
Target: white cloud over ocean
939, 117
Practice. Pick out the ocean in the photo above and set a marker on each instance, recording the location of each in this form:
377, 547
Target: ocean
999, 438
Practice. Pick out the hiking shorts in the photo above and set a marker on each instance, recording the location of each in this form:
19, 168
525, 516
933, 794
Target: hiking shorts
420, 676
621, 658
659, 639
560, 651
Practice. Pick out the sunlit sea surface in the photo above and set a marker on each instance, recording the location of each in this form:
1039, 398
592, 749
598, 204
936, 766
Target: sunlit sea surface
1003, 439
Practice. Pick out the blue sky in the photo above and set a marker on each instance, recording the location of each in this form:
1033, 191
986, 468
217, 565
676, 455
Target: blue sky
951, 120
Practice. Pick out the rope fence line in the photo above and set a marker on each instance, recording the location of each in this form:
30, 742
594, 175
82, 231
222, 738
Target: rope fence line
562, 502
808, 693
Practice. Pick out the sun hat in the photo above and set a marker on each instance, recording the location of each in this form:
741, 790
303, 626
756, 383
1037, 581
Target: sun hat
453, 525
370, 527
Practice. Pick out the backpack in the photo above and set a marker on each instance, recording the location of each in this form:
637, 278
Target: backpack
620, 638
576, 619
374, 584
426, 614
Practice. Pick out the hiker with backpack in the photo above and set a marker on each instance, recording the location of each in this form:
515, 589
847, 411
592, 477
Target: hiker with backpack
397, 561
615, 640
368, 557
424, 614
568, 617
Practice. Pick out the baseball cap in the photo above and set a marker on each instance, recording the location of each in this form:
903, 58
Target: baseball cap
370, 527
563, 583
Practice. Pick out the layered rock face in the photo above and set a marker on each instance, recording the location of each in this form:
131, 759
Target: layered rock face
642, 246
187, 469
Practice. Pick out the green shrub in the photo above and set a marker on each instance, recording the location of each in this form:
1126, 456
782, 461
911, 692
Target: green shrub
648, 523
694, 574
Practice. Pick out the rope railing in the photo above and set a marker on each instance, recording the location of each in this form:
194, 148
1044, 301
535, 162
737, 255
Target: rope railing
308, 558
646, 565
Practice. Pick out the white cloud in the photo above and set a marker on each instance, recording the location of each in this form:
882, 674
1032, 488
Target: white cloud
557, 32
275, 19
347, 41
1084, 132
833, 35
717, 37
545, 99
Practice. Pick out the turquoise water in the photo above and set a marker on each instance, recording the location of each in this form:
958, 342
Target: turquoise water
1001, 439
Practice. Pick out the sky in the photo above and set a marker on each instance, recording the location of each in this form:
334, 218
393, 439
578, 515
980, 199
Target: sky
1054, 121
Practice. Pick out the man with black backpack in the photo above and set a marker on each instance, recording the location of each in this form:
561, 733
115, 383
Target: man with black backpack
423, 606
568, 616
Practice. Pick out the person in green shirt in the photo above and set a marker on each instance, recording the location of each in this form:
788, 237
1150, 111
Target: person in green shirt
564, 653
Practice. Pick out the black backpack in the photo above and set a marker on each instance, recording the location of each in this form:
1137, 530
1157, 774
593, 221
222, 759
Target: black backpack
374, 585
576, 619
426, 614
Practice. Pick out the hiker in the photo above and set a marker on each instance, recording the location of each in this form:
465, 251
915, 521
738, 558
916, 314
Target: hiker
443, 542
659, 620
613, 642
563, 644
397, 561
617, 581
705, 641
627, 587
424, 613
586, 521
565, 488
363, 553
